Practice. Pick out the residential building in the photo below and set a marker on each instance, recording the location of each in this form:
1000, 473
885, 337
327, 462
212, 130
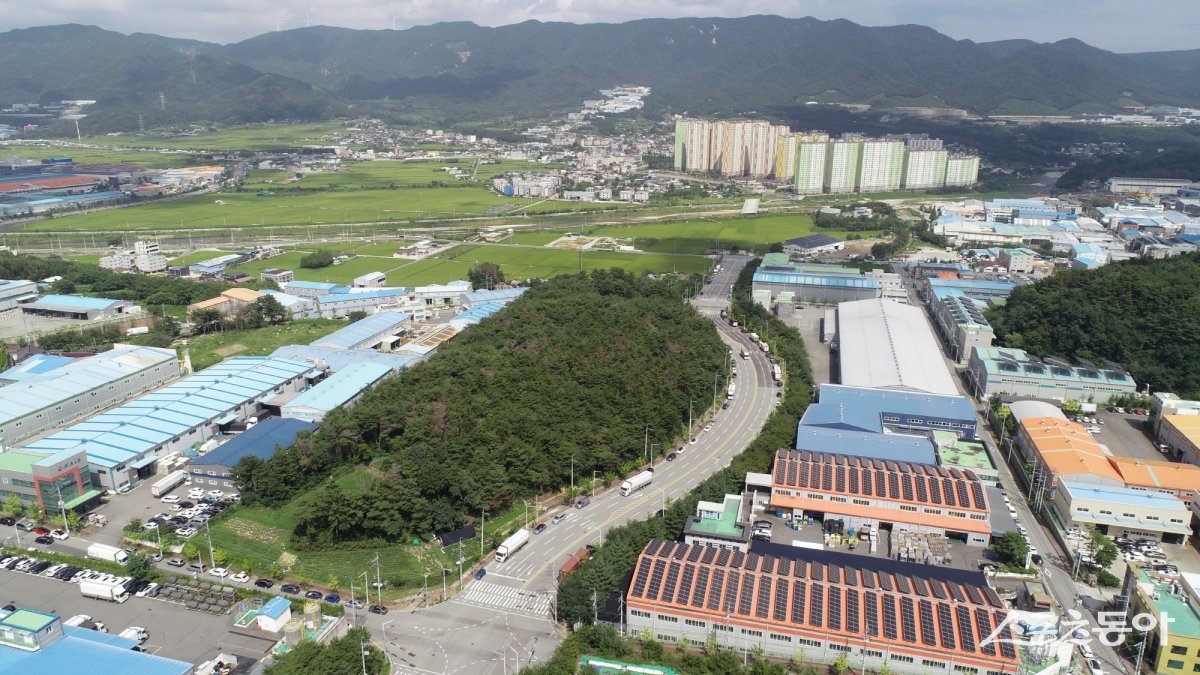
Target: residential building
78, 307
881, 166
1170, 646
39, 642
716, 525
124, 443
1016, 373
785, 157
145, 257
962, 170
887, 345
14, 293
809, 167
875, 494
342, 388
81, 387
924, 168
212, 469
843, 159
824, 604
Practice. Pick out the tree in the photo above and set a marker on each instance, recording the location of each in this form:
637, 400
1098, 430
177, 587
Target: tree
1104, 550
272, 312
14, 506
343, 656
485, 275
356, 315
317, 260
841, 665
1011, 547
1071, 407
220, 557
206, 320
776, 247
140, 567
190, 551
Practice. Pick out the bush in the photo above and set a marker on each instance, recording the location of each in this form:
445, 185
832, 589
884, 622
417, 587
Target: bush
317, 260
1107, 579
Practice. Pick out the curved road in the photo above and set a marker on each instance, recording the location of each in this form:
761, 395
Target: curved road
505, 619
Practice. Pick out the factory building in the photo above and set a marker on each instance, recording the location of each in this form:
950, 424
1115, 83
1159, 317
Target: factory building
377, 331
1016, 373
342, 388
211, 470
33, 404
15, 293
890, 410
888, 345
78, 307
910, 618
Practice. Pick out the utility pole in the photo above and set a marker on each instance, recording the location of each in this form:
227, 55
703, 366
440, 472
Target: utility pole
211, 553
378, 582
572, 473
482, 535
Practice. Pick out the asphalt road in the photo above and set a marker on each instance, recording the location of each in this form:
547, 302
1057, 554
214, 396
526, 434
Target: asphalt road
506, 617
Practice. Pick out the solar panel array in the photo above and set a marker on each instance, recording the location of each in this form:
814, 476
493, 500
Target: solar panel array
865, 477
904, 605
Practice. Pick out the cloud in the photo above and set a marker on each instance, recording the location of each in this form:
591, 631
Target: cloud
1118, 25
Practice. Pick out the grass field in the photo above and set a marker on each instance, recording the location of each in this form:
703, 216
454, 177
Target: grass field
209, 349
527, 263
538, 238
255, 137
701, 236
148, 158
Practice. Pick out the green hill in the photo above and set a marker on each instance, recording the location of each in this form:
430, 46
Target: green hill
1142, 314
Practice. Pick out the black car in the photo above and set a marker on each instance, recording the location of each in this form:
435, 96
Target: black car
44, 540
264, 583
66, 573
290, 588
314, 595
377, 609
671, 457
541, 527
185, 505
9, 607
5, 520
724, 406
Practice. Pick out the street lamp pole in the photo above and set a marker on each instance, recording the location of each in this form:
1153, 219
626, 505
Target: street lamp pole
595, 473
482, 534
572, 473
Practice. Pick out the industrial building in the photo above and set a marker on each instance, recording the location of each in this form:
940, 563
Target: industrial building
887, 345
77, 388
1016, 373
228, 303
15, 293
34, 364
1150, 186
874, 494
470, 299
279, 276
342, 388
371, 332
335, 360
123, 443
1178, 430
961, 322
824, 284
888, 447
812, 244
890, 410
875, 612
38, 642
78, 307
370, 280
716, 525
1123, 512
339, 304
47, 481
211, 470
312, 289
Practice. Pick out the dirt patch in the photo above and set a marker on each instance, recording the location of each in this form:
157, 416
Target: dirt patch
230, 350
256, 532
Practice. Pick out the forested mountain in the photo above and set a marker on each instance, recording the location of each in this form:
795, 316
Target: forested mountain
1142, 314
461, 71
577, 368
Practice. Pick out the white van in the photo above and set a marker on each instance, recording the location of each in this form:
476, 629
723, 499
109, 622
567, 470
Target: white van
136, 633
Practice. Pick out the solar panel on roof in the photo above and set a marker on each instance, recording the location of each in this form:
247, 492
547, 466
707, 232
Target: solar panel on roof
763, 604
816, 606
903, 584
798, 475
908, 620
850, 576
781, 469
907, 485
948, 492
868, 487
851, 610
801, 569
680, 551
945, 625
731, 589
701, 587
928, 630
747, 594
694, 554
653, 546
956, 591
668, 594
835, 608
920, 587
639, 582
893, 483
816, 571
722, 557
799, 593
752, 562
667, 548
1056, 361
709, 554
655, 579
922, 489
977, 495
889, 618
984, 623
935, 491
939, 590
992, 598
853, 480
781, 598
834, 574
1006, 645
868, 579
840, 479
885, 581
871, 612
964, 495
685, 584
964, 629
737, 559
827, 477
976, 596
714, 593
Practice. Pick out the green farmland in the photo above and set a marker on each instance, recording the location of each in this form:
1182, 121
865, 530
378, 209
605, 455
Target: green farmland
255, 137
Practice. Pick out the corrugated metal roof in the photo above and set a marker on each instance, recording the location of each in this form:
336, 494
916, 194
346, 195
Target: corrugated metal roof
365, 330
480, 311
337, 359
365, 295
34, 365
343, 386
51, 301
892, 447
865, 408
838, 281
886, 344
503, 295
260, 440
82, 649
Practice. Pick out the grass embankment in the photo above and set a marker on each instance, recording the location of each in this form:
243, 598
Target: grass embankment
210, 349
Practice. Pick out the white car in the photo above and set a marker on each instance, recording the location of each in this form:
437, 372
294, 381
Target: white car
195, 493
147, 590
240, 577
171, 499
60, 534
185, 531
219, 572
150, 526
215, 494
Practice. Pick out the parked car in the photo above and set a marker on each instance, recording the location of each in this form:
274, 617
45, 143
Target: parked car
583, 501
215, 494
671, 457
377, 609
313, 595
559, 518
40, 530
176, 562
240, 577
333, 598
6, 521
170, 499
45, 540
1094, 667
356, 604
290, 588
264, 583
539, 528
196, 567
150, 588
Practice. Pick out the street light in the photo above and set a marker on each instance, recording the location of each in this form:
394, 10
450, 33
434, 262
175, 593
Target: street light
482, 531
595, 473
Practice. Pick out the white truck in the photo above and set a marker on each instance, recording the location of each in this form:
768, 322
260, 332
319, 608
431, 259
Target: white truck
745, 354
731, 391
754, 337
172, 481
511, 545
109, 553
110, 591
637, 482
135, 633
766, 348
137, 330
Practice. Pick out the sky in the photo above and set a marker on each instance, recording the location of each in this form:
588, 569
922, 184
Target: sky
1116, 25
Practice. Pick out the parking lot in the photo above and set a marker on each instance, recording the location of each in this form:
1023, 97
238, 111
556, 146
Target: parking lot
175, 632
1127, 436
807, 320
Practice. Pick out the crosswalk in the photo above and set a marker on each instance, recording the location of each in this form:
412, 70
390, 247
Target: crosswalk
514, 600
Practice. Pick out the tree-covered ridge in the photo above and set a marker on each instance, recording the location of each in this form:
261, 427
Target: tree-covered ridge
578, 367
1142, 314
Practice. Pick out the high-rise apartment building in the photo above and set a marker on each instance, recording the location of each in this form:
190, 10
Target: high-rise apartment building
785, 156
731, 148
881, 165
811, 152
962, 170
842, 161
924, 168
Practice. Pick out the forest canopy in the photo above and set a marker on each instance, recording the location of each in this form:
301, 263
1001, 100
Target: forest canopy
1141, 314
578, 367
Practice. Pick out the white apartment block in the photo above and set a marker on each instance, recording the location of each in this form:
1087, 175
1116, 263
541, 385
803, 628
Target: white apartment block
924, 168
881, 166
962, 170
841, 166
811, 153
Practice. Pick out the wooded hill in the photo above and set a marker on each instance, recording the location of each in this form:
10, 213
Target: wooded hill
578, 367
1142, 314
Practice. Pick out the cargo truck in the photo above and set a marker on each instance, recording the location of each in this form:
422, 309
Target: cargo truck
109, 553
754, 337
637, 482
172, 481
730, 394
110, 591
573, 562
511, 545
